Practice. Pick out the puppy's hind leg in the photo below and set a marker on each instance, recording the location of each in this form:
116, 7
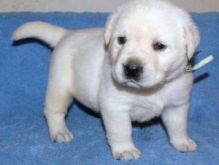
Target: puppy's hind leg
55, 110
58, 98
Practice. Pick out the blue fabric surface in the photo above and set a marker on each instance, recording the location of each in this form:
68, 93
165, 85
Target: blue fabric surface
23, 77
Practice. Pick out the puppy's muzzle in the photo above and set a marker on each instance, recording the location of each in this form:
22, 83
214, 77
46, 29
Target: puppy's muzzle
133, 71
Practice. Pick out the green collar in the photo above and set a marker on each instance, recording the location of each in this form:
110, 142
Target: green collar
202, 63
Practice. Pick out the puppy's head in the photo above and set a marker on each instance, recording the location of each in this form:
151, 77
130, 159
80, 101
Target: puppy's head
149, 42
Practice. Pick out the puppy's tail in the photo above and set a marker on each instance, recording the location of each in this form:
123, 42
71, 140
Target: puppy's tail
48, 33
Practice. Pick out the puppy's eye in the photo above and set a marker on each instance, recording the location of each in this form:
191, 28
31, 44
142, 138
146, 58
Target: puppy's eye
121, 40
158, 46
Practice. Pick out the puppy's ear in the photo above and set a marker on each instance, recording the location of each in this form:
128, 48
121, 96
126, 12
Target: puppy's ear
109, 28
192, 38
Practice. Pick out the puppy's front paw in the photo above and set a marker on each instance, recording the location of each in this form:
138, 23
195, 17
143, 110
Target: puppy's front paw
61, 136
184, 145
126, 153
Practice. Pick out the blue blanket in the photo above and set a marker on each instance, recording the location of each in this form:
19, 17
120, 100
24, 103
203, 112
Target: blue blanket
24, 135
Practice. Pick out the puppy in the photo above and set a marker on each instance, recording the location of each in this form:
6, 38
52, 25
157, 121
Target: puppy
133, 70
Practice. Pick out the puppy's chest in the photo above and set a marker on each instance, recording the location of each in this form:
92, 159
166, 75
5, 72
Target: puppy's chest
144, 110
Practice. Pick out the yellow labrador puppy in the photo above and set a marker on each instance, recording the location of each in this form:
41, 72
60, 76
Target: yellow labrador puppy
133, 70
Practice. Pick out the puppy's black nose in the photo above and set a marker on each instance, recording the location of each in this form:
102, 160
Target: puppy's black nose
133, 71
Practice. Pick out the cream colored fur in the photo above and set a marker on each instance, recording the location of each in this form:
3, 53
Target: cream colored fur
88, 65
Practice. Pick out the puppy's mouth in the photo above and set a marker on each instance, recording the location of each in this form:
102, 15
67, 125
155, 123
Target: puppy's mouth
133, 84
